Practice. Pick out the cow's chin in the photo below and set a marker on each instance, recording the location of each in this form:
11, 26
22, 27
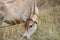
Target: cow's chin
30, 32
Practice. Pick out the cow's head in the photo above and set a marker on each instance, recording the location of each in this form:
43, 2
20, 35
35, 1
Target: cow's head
31, 24
30, 27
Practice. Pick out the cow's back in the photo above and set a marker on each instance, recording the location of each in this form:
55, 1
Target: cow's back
19, 9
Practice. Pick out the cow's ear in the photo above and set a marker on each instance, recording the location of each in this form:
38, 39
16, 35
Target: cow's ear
35, 22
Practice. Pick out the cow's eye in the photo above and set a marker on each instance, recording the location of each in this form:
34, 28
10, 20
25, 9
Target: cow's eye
30, 26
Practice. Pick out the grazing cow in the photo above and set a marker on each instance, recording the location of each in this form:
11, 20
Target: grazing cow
20, 11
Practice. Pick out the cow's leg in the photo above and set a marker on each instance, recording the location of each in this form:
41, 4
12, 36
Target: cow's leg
1, 20
31, 24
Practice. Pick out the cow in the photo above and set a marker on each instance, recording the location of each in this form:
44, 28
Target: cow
20, 11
